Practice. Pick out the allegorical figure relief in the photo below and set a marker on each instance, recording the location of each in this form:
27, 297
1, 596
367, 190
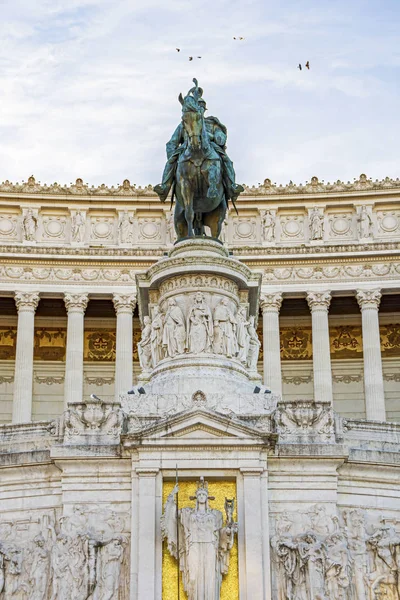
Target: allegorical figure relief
316, 224
144, 346
205, 542
268, 226
157, 327
29, 224
364, 223
78, 225
174, 334
225, 330
125, 228
243, 336
199, 326
254, 345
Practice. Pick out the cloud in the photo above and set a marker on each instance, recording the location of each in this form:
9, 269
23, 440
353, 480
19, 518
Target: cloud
89, 87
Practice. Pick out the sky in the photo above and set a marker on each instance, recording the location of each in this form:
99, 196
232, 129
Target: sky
89, 88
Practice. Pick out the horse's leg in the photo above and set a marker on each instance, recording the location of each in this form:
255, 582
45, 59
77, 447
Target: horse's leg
211, 171
215, 218
180, 222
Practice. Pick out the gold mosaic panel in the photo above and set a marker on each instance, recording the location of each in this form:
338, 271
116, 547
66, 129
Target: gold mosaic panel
99, 345
8, 343
390, 340
50, 343
230, 582
296, 343
346, 341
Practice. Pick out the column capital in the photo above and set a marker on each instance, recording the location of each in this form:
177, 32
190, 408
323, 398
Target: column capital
124, 303
76, 302
319, 300
369, 298
271, 302
27, 301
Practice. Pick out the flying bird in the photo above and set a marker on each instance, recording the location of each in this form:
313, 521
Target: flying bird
199, 57
178, 49
308, 64
300, 67
190, 57
238, 38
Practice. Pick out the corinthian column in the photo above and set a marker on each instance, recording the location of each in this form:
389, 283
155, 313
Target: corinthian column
23, 379
124, 307
319, 305
373, 377
76, 305
270, 306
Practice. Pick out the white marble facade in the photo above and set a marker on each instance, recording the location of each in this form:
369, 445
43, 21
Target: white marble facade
315, 462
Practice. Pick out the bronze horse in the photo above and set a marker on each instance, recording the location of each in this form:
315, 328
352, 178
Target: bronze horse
199, 187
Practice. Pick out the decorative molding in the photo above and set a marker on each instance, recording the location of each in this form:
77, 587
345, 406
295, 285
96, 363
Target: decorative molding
297, 379
347, 378
79, 188
6, 379
392, 377
50, 380
99, 381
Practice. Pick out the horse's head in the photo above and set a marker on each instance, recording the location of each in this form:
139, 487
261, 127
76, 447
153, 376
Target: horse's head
193, 107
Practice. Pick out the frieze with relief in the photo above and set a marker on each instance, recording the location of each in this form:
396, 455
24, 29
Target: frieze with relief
50, 343
54, 228
8, 227
319, 553
341, 225
8, 343
82, 554
388, 223
202, 282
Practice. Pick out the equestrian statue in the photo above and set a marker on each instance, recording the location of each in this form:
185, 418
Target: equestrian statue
198, 169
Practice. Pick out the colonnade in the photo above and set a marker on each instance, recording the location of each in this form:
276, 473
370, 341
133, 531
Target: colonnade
75, 304
318, 301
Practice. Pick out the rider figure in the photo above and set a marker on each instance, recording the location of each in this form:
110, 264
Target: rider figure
217, 133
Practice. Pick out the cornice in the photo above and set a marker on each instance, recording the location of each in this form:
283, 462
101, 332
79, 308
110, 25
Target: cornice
267, 189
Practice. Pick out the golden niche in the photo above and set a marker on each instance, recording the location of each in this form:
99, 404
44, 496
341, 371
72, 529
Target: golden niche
230, 582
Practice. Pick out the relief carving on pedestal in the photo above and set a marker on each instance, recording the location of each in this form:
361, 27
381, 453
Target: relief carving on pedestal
317, 555
80, 556
190, 325
304, 421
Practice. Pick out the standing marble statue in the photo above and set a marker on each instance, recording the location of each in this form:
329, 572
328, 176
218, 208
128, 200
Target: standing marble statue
204, 542
225, 341
243, 336
199, 326
125, 228
144, 346
254, 345
364, 223
78, 225
174, 334
157, 327
316, 224
29, 226
268, 225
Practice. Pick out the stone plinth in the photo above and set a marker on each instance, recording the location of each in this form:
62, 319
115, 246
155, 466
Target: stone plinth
199, 309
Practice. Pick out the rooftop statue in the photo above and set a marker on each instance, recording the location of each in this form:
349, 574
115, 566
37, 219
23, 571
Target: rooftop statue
198, 169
